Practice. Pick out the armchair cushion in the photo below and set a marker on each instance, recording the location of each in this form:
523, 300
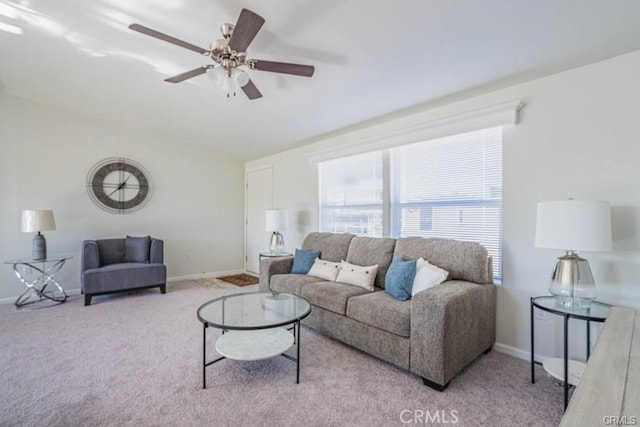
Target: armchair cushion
136, 249
119, 277
111, 251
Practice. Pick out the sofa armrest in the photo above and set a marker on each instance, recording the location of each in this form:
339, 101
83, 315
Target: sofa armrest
271, 266
90, 255
156, 251
451, 325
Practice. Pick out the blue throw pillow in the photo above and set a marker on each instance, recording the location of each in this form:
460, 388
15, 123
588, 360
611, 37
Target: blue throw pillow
303, 260
399, 279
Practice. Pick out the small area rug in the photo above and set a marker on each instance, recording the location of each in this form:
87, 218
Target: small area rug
213, 283
240, 279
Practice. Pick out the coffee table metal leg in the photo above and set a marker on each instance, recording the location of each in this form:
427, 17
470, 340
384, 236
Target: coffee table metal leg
297, 335
204, 356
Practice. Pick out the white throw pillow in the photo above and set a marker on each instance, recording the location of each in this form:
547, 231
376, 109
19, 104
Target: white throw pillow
427, 276
357, 275
326, 270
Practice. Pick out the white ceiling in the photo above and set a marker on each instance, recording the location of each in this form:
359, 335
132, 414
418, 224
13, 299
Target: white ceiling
372, 57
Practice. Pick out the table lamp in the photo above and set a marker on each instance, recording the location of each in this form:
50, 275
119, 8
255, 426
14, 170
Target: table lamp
573, 225
37, 221
276, 220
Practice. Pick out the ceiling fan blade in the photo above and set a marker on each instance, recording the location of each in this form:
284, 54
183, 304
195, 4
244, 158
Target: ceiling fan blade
245, 30
251, 90
187, 75
283, 67
153, 33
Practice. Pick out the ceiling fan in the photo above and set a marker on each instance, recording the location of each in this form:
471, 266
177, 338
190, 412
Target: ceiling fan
229, 54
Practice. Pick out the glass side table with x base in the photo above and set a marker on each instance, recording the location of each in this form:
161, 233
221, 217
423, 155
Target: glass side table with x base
41, 285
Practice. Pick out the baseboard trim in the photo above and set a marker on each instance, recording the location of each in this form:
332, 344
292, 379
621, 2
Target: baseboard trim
11, 300
516, 352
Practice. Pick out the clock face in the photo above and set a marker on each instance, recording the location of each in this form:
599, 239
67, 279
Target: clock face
119, 185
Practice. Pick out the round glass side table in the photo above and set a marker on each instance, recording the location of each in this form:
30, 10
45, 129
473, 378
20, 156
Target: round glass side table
563, 369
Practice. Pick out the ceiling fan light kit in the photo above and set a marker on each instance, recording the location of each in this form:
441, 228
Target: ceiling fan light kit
230, 56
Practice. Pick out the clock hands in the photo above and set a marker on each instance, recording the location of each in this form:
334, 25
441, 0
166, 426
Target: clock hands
120, 187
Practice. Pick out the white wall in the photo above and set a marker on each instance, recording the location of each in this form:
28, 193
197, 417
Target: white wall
45, 154
578, 137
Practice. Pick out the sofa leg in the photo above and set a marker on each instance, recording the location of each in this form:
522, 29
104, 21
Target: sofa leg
163, 288
87, 299
435, 386
487, 350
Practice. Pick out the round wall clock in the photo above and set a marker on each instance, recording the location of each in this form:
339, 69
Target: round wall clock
119, 185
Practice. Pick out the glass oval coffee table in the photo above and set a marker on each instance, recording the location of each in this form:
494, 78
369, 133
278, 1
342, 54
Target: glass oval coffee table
252, 326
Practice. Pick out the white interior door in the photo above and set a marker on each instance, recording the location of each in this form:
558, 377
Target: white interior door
258, 199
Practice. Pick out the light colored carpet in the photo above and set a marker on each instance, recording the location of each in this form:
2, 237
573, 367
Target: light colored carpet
135, 360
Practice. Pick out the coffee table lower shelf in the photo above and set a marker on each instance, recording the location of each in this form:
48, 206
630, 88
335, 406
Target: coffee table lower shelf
254, 345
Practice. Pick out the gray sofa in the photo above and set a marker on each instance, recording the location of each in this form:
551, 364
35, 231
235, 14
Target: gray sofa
435, 334
117, 265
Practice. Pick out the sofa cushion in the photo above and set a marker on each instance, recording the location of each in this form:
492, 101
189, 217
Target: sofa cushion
381, 310
463, 260
331, 296
122, 276
357, 275
290, 283
370, 251
333, 246
323, 269
303, 260
399, 280
111, 251
136, 249
427, 276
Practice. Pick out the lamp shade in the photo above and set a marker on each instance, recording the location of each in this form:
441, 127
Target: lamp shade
575, 225
37, 220
276, 220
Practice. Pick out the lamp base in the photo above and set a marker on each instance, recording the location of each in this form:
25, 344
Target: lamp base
276, 244
39, 247
572, 283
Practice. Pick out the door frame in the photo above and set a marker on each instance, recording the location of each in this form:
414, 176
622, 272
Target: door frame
247, 171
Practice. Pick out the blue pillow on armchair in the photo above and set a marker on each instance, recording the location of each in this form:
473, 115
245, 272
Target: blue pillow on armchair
303, 260
399, 279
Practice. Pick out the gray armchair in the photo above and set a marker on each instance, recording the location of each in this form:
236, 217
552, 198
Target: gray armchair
117, 265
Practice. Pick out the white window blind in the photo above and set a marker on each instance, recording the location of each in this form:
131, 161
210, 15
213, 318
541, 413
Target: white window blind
450, 188
351, 197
